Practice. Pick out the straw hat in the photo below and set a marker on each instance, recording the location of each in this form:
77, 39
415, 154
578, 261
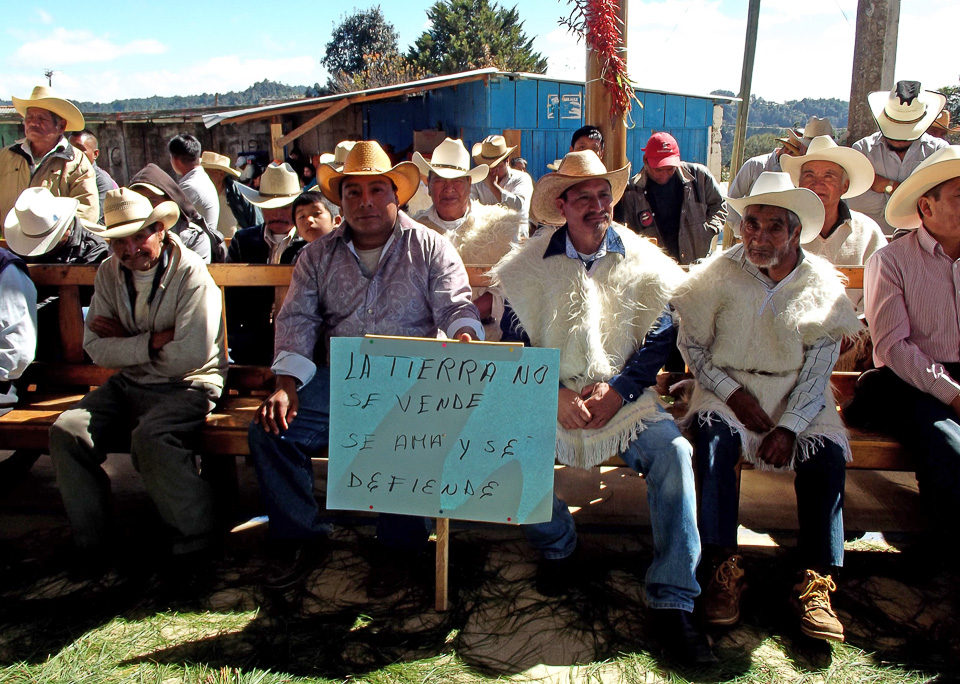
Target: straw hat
823, 148
450, 159
939, 167
279, 186
217, 162
125, 212
815, 128
491, 151
793, 142
339, 155
775, 189
367, 158
576, 167
906, 112
44, 98
38, 221
942, 123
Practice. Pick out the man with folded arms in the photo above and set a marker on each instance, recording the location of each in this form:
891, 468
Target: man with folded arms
760, 327
393, 276
156, 318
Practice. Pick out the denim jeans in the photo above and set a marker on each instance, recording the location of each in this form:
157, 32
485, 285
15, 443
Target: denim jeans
285, 475
819, 481
664, 457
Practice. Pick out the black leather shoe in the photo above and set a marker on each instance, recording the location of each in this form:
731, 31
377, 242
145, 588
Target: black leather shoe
298, 564
678, 635
556, 576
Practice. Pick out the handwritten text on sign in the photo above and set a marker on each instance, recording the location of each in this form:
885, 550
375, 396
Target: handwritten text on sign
442, 429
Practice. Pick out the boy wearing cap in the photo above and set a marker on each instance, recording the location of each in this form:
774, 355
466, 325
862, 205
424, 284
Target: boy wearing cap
156, 317
677, 203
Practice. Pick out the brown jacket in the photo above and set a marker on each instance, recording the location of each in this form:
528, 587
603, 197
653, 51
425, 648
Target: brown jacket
66, 173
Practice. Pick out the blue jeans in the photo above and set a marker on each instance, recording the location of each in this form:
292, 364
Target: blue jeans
285, 475
664, 457
819, 481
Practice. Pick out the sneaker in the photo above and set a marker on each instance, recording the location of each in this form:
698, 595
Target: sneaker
680, 638
817, 618
721, 600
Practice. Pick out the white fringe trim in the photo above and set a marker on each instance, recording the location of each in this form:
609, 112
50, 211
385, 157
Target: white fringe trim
572, 452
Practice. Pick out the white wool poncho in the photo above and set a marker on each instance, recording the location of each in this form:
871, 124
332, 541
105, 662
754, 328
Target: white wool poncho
720, 309
597, 322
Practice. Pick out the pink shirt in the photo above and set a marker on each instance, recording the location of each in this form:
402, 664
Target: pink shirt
912, 294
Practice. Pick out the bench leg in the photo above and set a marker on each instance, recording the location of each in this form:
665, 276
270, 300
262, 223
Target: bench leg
13, 469
221, 472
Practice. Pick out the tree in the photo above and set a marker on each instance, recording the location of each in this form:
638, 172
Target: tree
474, 34
378, 71
364, 32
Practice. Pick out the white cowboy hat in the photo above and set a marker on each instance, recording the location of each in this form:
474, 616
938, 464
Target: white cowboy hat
491, 151
367, 158
575, 167
823, 148
939, 167
815, 128
38, 221
450, 159
339, 155
217, 162
279, 186
43, 97
906, 112
125, 212
775, 189
554, 165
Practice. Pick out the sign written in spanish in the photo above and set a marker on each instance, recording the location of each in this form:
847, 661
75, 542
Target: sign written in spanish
442, 429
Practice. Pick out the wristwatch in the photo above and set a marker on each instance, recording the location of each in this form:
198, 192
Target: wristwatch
888, 189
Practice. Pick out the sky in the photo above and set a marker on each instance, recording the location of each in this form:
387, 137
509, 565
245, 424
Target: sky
804, 47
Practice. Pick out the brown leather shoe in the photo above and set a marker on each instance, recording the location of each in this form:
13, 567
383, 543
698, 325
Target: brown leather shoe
721, 600
817, 619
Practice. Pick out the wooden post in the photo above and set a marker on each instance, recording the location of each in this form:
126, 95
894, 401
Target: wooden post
598, 101
443, 562
276, 133
874, 58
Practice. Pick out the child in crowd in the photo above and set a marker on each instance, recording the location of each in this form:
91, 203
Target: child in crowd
314, 215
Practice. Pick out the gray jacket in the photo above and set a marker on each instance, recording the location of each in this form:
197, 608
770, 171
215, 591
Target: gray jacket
701, 216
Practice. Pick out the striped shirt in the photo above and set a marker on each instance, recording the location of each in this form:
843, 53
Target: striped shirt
911, 289
806, 398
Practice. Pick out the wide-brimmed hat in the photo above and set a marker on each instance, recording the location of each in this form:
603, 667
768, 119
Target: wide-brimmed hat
939, 167
367, 158
44, 98
907, 111
450, 159
339, 154
793, 142
816, 127
38, 221
125, 212
775, 188
279, 186
823, 148
576, 167
942, 122
491, 151
217, 162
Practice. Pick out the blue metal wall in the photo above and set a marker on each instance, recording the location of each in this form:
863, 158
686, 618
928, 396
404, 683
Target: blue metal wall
546, 113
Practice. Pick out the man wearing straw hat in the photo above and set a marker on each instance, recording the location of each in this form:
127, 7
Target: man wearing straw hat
481, 233
941, 128
598, 292
236, 211
912, 306
44, 158
156, 317
760, 327
904, 114
503, 185
378, 272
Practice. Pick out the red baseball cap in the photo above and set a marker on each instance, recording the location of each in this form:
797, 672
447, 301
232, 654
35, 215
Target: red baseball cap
662, 150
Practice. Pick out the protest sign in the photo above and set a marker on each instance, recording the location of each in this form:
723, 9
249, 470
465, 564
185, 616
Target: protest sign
442, 429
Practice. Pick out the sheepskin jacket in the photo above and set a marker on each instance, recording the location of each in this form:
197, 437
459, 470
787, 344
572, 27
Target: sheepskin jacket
482, 239
597, 320
761, 344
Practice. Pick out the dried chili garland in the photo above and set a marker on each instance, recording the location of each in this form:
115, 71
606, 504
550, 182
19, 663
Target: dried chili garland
598, 23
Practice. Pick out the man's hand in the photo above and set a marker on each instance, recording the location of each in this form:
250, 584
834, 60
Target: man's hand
484, 304
749, 412
777, 447
602, 401
160, 338
880, 184
107, 327
571, 413
279, 409
465, 334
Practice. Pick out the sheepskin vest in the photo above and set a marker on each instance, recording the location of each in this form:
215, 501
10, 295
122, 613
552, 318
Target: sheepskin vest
597, 321
760, 344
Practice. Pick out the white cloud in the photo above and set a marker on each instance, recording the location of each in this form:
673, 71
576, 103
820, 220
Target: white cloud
44, 17
69, 46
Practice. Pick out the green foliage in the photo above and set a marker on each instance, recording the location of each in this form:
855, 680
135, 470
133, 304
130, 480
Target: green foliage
365, 32
378, 71
759, 144
474, 34
254, 95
